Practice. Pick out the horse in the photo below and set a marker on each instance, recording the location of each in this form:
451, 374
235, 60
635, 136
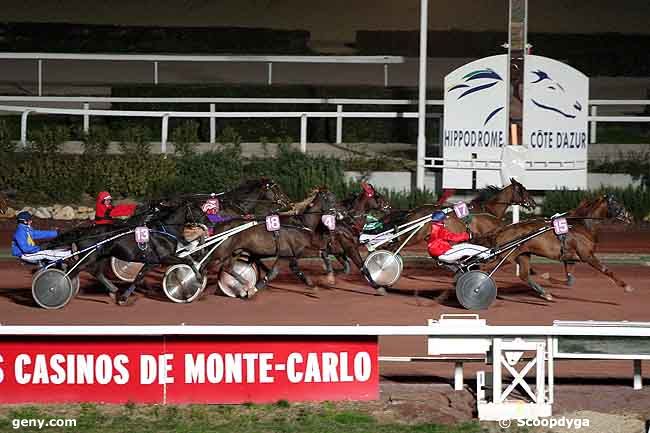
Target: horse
165, 227
247, 196
578, 245
486, 211
354, 211
301, 231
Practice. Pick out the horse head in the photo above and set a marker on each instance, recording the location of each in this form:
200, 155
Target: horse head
520, 195
370, 198
616, 210
271, 191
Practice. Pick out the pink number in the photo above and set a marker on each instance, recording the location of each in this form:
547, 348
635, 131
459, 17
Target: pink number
560, 226
273, 223
141, 235
329, 221
461, 210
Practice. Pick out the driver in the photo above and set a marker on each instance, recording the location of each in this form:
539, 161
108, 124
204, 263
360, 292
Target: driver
24, 247
441, 241
105, 212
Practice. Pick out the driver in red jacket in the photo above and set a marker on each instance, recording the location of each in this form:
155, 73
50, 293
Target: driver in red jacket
105, 211
441, 240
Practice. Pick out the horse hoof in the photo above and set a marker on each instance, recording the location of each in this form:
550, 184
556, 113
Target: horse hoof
546, 296
628, 288
570, 281
546, 276
330, 280
122, 301
381, 291
113, 296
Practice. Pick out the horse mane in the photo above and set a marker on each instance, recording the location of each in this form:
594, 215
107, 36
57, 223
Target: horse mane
301, 206
349, 200
486, 193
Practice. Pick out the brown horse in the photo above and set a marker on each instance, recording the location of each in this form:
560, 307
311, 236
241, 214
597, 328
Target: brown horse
486, 210
298, 235
578, 245
344, 244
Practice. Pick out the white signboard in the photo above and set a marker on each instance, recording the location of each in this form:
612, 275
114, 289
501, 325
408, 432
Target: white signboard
475, 119
476, 125
555, 122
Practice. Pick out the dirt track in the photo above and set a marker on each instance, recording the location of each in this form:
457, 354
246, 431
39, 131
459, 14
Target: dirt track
352, 301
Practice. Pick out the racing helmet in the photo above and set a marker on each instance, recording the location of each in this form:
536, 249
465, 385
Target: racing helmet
23, 217
438, 216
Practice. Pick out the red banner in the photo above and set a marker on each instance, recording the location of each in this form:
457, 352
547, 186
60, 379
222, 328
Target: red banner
187, 369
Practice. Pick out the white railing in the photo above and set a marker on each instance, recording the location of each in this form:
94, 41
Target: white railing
156, 59
86, 113
594, 118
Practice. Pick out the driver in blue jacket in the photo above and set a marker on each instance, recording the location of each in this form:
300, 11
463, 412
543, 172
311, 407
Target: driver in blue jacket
24, 247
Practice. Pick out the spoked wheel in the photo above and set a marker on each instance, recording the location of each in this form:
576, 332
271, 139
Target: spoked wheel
384, 267
181, 285
230, 286
475, 290
52, 289
125, 271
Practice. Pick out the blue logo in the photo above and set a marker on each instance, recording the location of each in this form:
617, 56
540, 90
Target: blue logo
552, 96
475, 82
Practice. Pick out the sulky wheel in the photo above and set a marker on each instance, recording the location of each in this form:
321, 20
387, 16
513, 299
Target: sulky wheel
181, 285
384, 267
475, 290
52, 289
125, 271
230, 286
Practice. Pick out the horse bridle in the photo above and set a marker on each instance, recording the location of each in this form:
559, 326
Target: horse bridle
614, 209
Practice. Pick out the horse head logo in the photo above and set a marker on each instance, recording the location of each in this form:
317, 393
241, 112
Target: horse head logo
548, 94
477, 81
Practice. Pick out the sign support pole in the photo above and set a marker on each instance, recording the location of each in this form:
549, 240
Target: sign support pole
422, 95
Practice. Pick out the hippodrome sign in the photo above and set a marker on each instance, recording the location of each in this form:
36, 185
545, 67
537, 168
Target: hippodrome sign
555, 114
188, 369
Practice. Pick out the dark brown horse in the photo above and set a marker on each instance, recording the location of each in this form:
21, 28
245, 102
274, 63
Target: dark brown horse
578, 245
345, 239
300, 233
486, 210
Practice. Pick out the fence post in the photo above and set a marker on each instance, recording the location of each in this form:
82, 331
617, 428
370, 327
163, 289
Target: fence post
163, 134
515, 220
592, 125
213, 125
86, 118
155, 72
303, 133
40, 77
638, 375
270, 76
23, 128
339, 124
385, 74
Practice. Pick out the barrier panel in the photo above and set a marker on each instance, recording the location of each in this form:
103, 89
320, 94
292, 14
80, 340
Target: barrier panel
187, 369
